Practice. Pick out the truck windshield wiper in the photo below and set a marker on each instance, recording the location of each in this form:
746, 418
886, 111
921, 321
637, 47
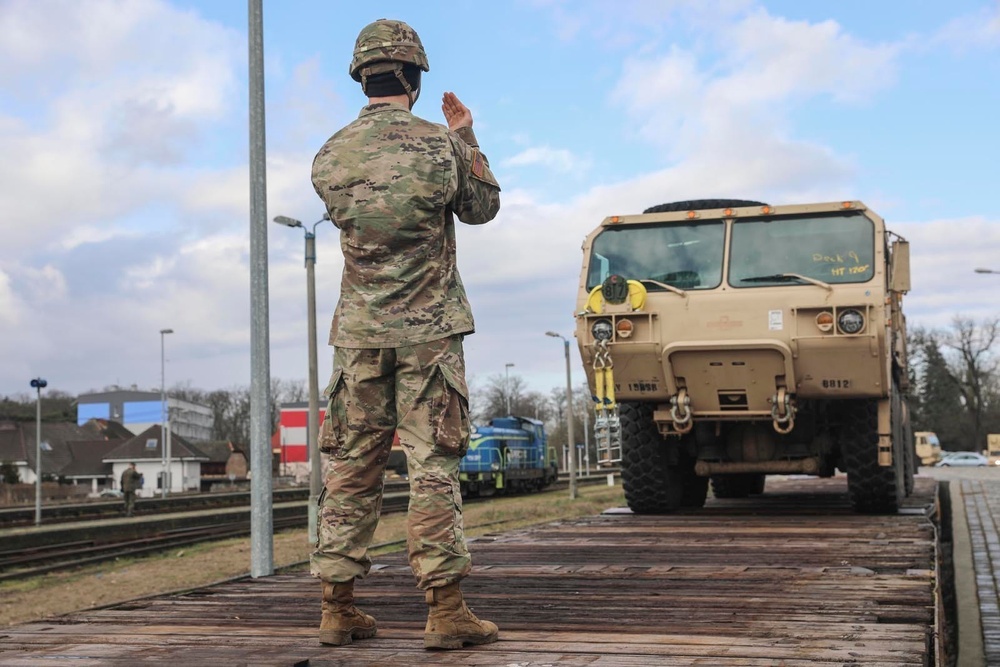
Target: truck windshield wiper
670, 288
787, 277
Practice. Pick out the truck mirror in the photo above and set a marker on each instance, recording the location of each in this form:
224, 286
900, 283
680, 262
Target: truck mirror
900, 281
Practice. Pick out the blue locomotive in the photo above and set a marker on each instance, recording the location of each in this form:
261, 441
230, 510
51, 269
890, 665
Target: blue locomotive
509, 455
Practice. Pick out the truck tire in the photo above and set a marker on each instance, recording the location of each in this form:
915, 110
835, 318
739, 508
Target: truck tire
909, 449
695, 486
698, 204
873, 489
652, 484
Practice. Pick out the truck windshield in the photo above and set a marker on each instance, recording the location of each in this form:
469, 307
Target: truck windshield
831, 248
686, 256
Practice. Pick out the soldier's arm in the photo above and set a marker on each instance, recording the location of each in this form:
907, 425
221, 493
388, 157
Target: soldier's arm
477, 193
476, 198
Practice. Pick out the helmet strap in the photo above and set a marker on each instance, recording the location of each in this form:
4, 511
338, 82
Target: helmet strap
410, 92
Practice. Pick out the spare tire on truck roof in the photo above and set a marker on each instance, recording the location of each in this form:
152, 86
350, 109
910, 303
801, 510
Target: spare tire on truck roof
698, 204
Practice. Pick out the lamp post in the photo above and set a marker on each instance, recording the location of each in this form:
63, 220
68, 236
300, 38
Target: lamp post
312, 423
980, 270
506, 385
164, 414
38, 384
570, 439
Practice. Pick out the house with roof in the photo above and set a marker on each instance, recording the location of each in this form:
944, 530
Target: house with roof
227, 464
147, 452
70, 453
13, 450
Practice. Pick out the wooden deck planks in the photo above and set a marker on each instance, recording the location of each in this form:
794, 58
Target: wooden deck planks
778, 585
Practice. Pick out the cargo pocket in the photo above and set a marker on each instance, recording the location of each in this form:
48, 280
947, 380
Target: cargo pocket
452, 423
333, 430
319, 513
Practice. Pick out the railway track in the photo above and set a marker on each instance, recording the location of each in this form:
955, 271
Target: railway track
14, 517
105, 545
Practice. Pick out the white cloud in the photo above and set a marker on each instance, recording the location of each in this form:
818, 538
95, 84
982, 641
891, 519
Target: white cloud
740, 103
943, 256
557, 159
972, 31
120, 93
44, 286
774, 59
10, 304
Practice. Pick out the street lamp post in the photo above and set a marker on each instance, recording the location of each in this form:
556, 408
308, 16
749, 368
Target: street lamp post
312, 423
506, 385
164, 414
570, 439
38, 384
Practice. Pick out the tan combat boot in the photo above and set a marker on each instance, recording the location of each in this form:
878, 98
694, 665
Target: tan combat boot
342, 621
450, 624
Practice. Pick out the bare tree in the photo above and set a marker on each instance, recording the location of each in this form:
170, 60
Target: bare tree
492, 400
973, 366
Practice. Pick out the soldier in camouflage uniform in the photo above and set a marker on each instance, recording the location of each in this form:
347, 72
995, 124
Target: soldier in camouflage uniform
393, 184
130, 482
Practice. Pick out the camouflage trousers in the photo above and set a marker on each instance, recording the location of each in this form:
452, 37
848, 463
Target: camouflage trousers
420, 393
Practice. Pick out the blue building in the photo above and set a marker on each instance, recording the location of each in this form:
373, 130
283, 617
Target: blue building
138, 410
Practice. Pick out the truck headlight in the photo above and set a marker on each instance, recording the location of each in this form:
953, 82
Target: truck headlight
601, 330
850, 321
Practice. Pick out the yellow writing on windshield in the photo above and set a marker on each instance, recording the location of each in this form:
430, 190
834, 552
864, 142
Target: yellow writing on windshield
838, 258
842, 259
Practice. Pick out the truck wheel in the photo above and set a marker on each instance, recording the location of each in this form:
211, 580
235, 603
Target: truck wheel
757, 484
652, 485
699, 204
695, 486
909, 449
873, 489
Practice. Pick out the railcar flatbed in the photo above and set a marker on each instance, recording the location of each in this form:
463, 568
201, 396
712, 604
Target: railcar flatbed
792, 577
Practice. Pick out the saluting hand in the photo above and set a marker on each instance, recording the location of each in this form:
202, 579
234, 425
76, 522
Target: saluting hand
456, 113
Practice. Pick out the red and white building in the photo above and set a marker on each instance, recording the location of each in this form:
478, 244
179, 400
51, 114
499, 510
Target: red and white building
288, 443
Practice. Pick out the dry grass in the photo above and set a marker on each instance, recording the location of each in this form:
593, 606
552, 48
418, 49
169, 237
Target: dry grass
192, 567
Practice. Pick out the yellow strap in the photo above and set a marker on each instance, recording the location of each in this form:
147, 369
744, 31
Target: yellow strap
609, 388
598, 388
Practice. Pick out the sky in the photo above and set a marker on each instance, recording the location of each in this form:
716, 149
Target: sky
124, 177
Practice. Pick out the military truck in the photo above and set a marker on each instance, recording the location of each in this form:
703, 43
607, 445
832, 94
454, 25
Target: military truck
928, 447
725, 340
993, 449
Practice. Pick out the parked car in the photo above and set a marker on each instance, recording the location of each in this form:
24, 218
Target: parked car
110, 493
962, 459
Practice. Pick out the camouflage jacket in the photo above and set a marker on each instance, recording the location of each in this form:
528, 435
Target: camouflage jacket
393, 183
130, 480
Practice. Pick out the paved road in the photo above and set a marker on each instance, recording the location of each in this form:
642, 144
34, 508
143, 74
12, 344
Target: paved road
975, 494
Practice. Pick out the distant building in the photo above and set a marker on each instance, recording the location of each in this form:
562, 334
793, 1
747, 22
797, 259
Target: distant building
70, 452
291, 434
227, 464
288, 443
138, 410
146, 451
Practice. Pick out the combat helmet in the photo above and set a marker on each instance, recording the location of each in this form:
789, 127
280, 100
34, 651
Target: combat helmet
385, 46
